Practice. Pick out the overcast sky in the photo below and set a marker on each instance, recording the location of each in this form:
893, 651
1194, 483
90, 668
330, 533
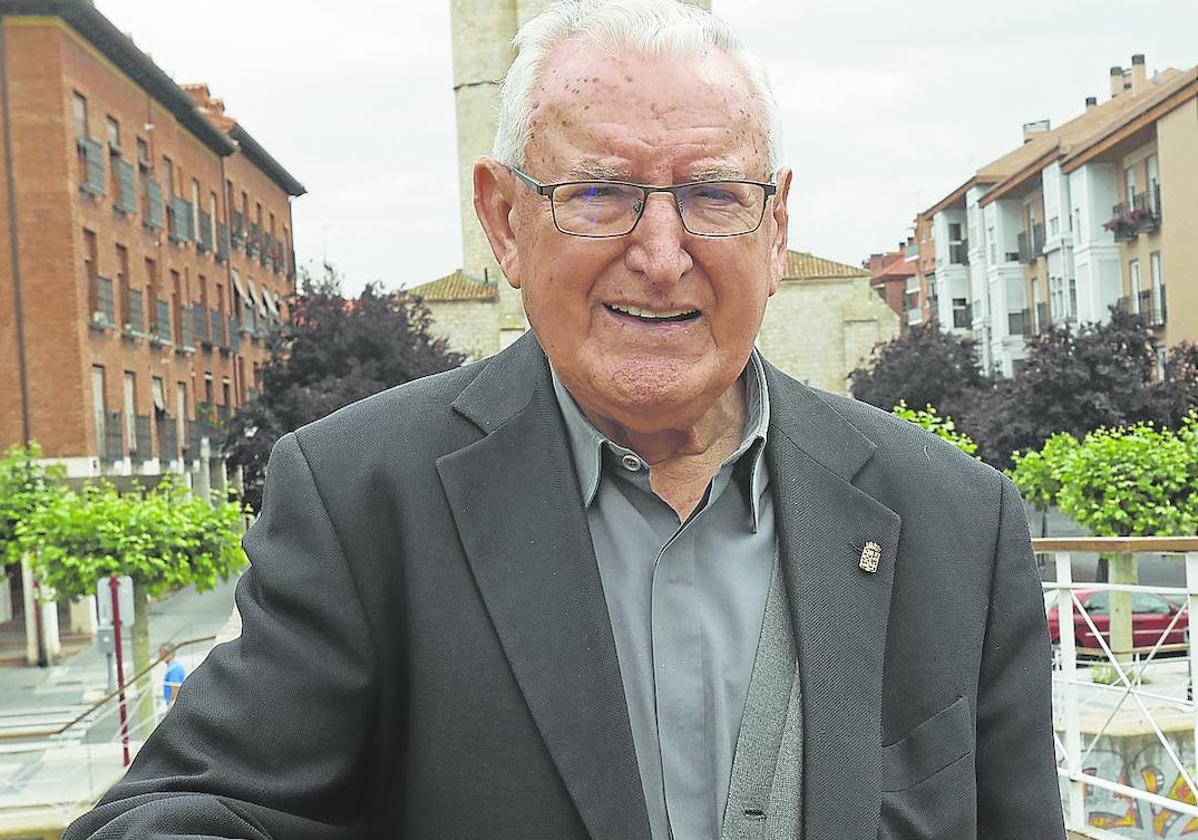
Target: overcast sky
886, 107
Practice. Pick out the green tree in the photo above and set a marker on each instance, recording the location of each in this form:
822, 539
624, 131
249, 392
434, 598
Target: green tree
24, 486
941, 426
1037, 473
333, 351
164, 538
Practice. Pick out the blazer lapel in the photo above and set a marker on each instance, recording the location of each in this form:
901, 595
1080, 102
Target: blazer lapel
840, 611
518, 510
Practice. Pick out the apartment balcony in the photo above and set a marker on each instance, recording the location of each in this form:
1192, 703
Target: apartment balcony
1031, 244
1152, 306
958, 253
1140, 215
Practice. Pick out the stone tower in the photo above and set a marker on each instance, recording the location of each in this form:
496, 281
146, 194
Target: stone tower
482, 51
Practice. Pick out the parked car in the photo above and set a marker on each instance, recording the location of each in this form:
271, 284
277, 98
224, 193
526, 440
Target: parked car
1151, 615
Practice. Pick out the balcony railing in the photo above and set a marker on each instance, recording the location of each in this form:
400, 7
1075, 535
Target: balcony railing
222, 243
1140, 215
113, 445
134, 325
253, 245
1124, 717
155, 209
237, 233
168, 437
958, 253
1031, 244
126, 187
141, 433
204, 234
180, 221
161, 331
93, 175
188, 333
1152, 306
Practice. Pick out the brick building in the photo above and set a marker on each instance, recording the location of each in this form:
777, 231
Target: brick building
146, 249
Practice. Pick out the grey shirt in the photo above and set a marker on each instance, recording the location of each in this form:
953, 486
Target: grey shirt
686, 601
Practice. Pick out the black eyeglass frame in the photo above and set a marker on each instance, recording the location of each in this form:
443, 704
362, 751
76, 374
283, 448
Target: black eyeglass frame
648, 190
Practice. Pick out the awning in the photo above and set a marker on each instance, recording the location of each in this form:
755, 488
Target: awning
264, 296
253, 298
240, 288
159, 397
270, 303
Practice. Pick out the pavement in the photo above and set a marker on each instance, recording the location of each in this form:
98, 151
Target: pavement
45, 782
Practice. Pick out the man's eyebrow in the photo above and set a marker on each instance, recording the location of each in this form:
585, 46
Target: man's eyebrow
717, 172
596, 169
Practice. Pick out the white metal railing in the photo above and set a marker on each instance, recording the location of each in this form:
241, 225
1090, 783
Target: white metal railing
1125, 751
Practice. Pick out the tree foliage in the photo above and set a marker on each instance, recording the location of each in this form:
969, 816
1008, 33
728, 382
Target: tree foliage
25, 485
922, 367
1073, 381
164, 538
332, 352
941, 426
1136, 481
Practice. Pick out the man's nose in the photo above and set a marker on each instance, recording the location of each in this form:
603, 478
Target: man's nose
658, 245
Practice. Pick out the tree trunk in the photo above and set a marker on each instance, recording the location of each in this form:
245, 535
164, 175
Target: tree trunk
1123, 571
141, 719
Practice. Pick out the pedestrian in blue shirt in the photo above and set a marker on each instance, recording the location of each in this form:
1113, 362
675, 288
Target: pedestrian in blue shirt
174, 675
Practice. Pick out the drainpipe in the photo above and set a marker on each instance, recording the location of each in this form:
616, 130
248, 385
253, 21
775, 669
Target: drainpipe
13, 243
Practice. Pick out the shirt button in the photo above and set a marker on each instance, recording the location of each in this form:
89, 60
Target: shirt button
631, 462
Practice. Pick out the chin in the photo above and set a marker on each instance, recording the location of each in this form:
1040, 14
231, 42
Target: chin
664, 390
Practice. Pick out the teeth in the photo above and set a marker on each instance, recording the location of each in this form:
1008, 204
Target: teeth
645, 313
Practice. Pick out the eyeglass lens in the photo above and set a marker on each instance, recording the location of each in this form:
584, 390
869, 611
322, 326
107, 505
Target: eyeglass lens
715, 208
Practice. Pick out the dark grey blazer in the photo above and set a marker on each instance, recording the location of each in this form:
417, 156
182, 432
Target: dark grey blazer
426, 650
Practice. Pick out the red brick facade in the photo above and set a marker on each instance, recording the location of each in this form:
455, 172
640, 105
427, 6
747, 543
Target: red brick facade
89, 247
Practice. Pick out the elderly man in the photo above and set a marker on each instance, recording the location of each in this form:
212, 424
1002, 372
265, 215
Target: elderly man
625, 579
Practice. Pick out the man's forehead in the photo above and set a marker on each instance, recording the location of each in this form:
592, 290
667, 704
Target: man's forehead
598, 114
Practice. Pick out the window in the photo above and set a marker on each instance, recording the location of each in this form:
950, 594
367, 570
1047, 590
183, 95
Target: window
1129, 181
195, 207
954, 231
1154, 180
992, 243
143, 153
168, 175
1054, 226
90, 256
181, 412
114, 134
208, 388
1133, 271
80, 113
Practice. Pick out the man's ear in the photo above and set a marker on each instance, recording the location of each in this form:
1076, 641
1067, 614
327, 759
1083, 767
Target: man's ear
781, 216
493, 202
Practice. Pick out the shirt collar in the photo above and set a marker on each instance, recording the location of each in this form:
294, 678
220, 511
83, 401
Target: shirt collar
587, 442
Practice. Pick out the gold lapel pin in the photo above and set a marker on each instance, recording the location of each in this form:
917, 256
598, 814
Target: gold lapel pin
870, 556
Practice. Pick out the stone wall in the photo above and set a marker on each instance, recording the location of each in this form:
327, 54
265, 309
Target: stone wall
819, 331
470, 326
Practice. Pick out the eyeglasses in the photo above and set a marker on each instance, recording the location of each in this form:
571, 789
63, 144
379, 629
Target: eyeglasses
605, 209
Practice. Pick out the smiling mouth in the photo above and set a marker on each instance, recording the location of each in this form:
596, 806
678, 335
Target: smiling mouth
653, 317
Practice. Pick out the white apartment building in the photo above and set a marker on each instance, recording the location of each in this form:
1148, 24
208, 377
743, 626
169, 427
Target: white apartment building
1073, 222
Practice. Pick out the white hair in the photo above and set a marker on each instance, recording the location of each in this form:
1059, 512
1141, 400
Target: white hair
647, 27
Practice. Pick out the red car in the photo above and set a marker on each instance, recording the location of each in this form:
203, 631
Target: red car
1151, 615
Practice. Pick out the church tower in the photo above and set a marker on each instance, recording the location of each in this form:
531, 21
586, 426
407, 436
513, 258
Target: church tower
482, 51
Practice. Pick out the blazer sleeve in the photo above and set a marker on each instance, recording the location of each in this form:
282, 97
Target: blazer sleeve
1018, 792
269, 738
